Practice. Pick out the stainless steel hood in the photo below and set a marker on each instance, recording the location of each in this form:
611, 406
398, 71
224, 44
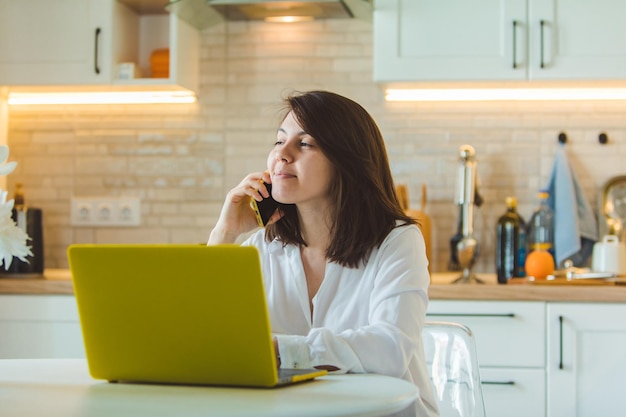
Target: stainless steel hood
205, 13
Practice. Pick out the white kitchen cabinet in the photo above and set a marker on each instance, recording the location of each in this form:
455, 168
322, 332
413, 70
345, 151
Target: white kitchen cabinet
53, 42
581, 39
82, 42
39, 326
485, 40
586, 367
514, 391
416, 40
511, 345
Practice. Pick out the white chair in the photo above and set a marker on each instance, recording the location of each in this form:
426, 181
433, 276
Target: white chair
452, 363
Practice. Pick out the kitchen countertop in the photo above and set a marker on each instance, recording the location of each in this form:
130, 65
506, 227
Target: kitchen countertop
58, 281
589, 290
53, 281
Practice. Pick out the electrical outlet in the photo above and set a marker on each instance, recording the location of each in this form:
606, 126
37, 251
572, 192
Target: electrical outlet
105, 211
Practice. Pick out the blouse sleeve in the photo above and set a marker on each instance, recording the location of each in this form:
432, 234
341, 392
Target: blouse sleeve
398, 302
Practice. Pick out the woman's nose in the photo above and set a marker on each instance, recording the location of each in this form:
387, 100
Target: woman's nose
282, 155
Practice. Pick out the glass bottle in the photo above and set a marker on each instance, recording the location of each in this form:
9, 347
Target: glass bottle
510, 245
453, 263
18, 197
540, 233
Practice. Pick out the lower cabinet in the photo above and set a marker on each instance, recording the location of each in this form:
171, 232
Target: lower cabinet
511, 343
540, 359
39, 326
586, 366
514, 391
550, 359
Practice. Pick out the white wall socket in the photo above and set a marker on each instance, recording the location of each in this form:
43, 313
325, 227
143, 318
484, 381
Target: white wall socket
105, 211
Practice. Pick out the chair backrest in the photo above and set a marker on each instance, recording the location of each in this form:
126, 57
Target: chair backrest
452, 363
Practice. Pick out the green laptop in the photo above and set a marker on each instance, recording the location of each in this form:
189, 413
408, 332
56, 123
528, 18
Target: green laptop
176, 314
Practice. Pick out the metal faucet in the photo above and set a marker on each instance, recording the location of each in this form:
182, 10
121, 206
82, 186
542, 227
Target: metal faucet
466, 197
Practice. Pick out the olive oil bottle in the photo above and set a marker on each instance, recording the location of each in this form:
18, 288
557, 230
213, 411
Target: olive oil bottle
510, 243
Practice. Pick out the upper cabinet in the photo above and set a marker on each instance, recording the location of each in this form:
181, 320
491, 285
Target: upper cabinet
83, 42
577, 40
484, 40
53, 42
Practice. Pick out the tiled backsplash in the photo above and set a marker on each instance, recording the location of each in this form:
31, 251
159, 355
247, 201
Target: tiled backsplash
182, 159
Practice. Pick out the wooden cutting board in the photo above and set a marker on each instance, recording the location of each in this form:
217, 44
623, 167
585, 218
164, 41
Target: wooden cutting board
420, 215
564, 281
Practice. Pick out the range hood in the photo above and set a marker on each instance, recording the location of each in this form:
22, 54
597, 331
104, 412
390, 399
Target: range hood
205, 13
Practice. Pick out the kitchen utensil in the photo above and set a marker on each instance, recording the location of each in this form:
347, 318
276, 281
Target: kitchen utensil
426, 226
590, 275
570, 282
571, 272
467, 248
420, 215
609, 255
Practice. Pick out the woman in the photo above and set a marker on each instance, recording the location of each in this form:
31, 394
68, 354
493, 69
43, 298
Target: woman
345, 269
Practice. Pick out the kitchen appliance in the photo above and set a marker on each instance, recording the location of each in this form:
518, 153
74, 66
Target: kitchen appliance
612, 216
204, 13
30, 220
465, 248
609, 255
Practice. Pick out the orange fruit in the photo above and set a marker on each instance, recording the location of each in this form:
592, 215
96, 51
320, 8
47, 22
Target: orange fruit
539, 264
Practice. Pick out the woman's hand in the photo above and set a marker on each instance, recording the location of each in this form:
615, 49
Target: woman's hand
237, 216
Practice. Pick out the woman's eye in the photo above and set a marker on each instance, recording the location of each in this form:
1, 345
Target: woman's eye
278, 142
306, 144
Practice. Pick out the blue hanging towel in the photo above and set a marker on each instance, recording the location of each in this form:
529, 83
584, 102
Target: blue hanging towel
575, 224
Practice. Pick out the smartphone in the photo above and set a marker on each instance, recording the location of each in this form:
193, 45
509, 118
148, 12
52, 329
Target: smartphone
265, 208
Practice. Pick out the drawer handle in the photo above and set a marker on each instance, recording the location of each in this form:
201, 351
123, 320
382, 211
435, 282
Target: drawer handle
514, 44
498, 382
542, 24
560, 342
97, 41
510, 315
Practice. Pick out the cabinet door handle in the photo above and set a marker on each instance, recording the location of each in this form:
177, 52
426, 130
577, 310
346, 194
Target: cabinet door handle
560, 342
542, 24
97, 42
497, 382
510, 315
514, 44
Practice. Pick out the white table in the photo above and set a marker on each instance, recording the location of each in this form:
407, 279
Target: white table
63, 388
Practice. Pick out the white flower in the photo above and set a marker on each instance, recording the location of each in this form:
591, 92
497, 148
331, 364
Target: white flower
6, 167
12, 238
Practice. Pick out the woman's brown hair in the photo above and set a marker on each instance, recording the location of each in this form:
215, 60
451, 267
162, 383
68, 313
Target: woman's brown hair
367, 207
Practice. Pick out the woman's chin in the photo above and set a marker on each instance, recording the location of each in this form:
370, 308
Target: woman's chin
279, 197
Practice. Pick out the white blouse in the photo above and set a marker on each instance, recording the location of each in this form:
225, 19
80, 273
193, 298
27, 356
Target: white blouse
365, 320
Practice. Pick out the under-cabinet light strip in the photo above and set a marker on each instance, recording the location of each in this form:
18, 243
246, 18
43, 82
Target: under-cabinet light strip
504, 94
289, 19
103, 97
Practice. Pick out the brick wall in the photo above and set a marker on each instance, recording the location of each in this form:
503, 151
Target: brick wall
182, 159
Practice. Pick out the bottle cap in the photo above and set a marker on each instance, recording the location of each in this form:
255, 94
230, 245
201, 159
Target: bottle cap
511, 202
19, 194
